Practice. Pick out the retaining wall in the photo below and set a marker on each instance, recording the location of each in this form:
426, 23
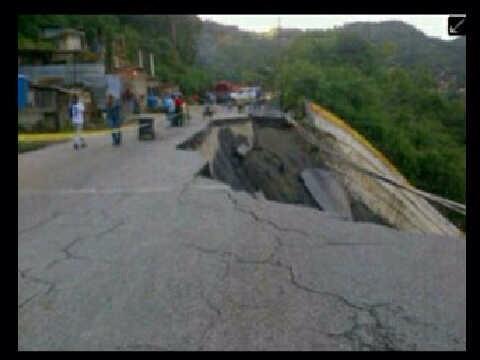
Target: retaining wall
400, 208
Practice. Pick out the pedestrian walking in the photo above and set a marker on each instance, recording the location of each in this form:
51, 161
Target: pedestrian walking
76, 110
170, 104
114, 119
179, 110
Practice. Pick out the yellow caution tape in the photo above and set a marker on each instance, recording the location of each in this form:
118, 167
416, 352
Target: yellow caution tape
47, 137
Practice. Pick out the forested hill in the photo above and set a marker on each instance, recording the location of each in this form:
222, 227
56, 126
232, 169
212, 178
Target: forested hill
446, 58
239, 55
226, 52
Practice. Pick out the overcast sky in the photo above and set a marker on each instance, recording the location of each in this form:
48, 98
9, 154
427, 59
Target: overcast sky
431, 25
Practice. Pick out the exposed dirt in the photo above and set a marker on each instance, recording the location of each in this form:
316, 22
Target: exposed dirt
273, 164
276, 161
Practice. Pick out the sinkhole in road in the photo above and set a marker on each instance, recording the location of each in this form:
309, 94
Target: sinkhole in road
264, 155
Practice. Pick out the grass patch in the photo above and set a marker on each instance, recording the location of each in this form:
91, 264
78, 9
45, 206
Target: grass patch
26, 146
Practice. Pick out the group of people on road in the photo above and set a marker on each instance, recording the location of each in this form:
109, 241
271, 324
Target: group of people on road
175, 105
175, 109
113, 117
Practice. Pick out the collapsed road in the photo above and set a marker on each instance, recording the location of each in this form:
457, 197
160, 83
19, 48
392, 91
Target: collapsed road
154, 246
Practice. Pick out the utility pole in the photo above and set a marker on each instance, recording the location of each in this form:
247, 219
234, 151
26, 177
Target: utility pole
74, 68
280, 63
152, 65
140, 58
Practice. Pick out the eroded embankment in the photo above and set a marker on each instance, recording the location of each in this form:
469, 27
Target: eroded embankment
268, 155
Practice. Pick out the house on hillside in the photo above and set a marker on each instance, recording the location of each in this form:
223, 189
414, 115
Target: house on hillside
45, 106
65, 39
67, 44
62, 59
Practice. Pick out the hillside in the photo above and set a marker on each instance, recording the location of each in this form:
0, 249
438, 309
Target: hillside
229, 53
412, 48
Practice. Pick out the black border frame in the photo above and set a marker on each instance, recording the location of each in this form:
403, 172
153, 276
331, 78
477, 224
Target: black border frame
269, 7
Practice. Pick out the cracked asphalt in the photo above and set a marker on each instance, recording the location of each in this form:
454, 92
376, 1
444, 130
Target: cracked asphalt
127, 249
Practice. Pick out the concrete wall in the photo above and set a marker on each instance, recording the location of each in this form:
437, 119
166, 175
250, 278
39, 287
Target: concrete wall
400, 208
70, 42
92, 73
54, 105
114, 85
29, 118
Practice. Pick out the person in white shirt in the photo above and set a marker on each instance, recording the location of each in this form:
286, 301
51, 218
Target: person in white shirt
77, 110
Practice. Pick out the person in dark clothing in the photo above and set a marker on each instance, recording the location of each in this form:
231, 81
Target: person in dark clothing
114, 119
179, 110
178, 104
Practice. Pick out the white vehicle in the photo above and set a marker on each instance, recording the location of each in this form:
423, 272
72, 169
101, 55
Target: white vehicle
245, 94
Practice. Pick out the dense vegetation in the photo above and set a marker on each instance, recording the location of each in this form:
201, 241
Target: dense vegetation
399, 109
396, 86
446, 59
